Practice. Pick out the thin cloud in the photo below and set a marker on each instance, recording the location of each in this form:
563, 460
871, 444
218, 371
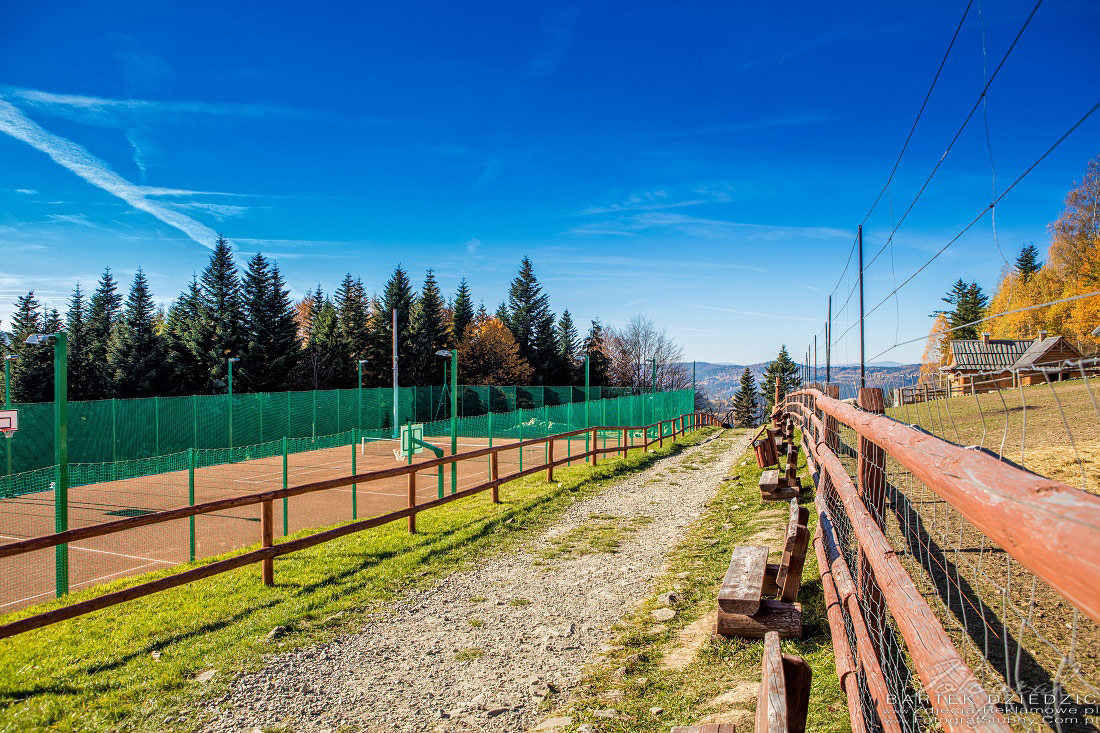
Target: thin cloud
78, 160
26, 191
764, 123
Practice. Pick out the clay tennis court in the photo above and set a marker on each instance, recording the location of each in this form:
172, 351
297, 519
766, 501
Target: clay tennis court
30, 578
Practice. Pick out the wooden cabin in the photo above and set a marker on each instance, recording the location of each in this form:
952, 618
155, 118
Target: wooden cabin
986, 364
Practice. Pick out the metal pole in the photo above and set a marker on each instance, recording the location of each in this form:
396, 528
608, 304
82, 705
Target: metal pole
7, 402
862, 365
191, 502
653, 398
359, 416
61, 455
454, 418
587, 417
815, 357
230, 403
829, 342
396, 429
693, 392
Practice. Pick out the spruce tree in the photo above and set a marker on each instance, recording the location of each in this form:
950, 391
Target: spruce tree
32, 372
570, 371
595, 348
968, 305
1027, 264
137, 355
220, 334
463, 311
80, 366
529, 318
429, 333
181, 342
376, 372
783, 370
744, 401
103, 313
271, 346
352, 325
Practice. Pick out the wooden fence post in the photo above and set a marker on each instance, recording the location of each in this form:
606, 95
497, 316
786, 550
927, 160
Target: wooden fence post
494, 471
267, 535
871, 465
832, 435
412, 501
550, 460
626, 441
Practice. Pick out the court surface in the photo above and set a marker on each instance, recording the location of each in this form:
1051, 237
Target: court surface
30, 578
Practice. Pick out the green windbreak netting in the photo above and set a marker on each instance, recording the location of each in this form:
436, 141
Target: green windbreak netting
114, 431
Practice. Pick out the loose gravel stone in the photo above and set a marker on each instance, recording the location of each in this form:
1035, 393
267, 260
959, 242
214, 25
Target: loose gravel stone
421, 666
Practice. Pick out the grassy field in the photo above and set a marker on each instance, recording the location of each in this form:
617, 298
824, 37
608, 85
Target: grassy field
675, 666
1053, 430
137, 665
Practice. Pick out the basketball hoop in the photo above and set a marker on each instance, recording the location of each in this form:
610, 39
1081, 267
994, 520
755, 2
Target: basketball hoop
9, 422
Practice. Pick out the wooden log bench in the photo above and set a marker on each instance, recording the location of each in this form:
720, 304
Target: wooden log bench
766, 454
757, 596
790, 479
773, 487
784, 698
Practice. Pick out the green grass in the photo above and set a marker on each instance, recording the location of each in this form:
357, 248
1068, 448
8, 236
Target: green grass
133, 665
466, 655
601, 533
629, 677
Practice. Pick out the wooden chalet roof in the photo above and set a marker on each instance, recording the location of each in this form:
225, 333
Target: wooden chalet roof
983, 356
1035, 353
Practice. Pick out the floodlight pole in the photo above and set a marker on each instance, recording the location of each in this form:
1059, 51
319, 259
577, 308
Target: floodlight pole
829, 342
653, 392
230, 361
396, 429
587, 417
454, 418
61, 456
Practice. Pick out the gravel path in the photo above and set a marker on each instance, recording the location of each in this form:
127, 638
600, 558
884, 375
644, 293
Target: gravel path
522, 624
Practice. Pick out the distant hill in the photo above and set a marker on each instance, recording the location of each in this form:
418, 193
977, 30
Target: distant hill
720, 381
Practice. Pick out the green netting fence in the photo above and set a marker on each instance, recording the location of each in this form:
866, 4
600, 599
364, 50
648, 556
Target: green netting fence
112, 431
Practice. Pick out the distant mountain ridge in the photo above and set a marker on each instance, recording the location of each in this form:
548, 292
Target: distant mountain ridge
721, 381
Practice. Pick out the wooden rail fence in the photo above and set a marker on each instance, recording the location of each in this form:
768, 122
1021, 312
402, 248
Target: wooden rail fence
269, 551
1050, 528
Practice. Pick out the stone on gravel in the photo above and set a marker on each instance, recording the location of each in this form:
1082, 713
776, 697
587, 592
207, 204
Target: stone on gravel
275, 633
205, 676
663, 614
608, 713
668, 599
656, 711
552, 724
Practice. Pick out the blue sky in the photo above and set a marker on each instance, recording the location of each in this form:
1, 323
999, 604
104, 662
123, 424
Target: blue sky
705, 164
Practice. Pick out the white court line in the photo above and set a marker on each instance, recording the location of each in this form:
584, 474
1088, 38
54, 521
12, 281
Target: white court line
105, 552
85, 582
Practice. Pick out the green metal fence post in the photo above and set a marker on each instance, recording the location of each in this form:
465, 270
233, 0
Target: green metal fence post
285, 499
114, 430
156, 426
520, 439
587, 415
490, 456
61, 455
354, 487
454, 418
191, 500
7, 401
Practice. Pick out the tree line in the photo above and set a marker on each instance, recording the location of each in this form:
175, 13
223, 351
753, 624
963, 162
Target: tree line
1072, 268
127, 347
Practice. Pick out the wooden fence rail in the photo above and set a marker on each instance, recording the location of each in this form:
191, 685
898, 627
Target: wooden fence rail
268, 551
1049, 527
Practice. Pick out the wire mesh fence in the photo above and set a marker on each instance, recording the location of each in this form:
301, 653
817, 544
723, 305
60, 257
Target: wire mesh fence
1034, 653
96, 493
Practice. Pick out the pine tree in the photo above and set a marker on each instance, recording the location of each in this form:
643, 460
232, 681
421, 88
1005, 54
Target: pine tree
399, 296
220, 334
744, 401
376, 372
137, 355
529, 318
429, 333
463, 311
181, 342
595, 348
568, 346
352, 325
103, 313
32, 372
80, 366
969, 305
271, 347
783, 370
1027, 264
